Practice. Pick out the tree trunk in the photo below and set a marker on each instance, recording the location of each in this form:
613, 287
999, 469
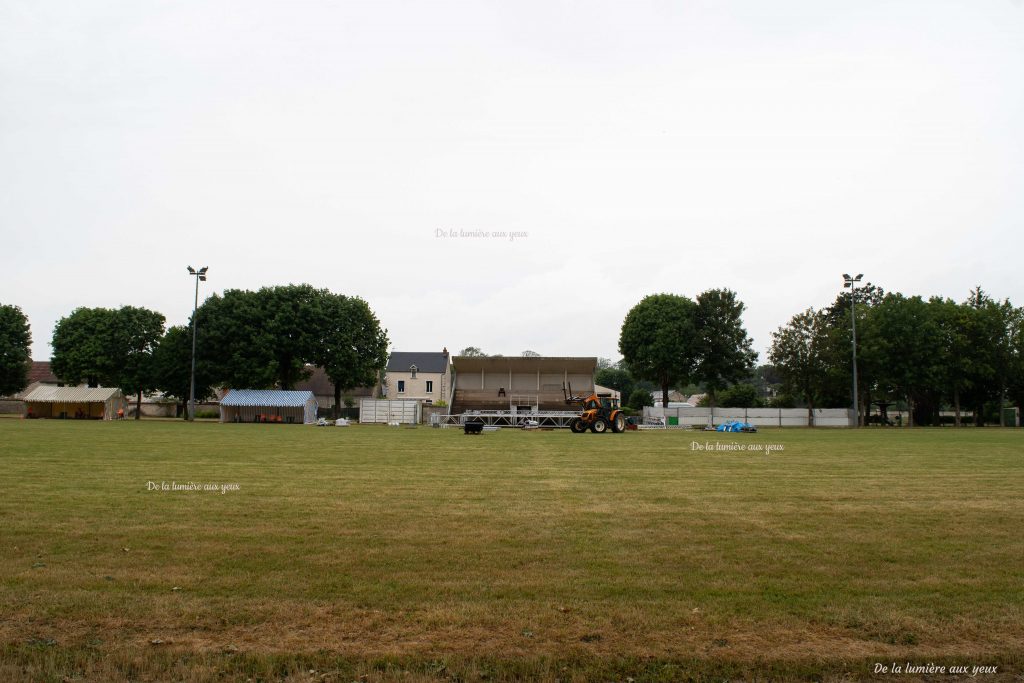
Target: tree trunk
810, 413
664, 394
337, 400
956, 406
910, 411
138, 405
711, 402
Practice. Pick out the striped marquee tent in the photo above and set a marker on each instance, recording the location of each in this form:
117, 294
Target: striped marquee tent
100, 403
268, 405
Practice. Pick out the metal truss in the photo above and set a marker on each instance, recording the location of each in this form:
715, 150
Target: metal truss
507, 418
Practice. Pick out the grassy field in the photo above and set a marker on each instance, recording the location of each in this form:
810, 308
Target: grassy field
374, 553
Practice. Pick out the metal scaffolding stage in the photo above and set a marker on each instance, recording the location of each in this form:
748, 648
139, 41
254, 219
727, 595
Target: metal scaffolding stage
508, 418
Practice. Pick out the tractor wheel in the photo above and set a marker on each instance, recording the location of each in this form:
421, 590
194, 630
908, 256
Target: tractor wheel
599, 426
577, 426
618, 423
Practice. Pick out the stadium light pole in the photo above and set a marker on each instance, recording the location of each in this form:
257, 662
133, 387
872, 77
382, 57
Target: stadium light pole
200, 276
851, 282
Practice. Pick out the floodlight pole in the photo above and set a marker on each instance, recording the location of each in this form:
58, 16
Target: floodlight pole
199, 275
851, 282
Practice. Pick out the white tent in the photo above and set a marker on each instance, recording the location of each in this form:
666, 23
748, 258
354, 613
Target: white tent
268, 405
90, 403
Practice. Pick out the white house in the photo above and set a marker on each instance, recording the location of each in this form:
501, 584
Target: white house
418, 375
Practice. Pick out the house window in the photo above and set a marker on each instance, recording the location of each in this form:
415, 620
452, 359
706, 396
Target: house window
401, 386
430, 386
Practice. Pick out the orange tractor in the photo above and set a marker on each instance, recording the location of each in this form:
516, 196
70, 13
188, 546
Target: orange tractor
598, 415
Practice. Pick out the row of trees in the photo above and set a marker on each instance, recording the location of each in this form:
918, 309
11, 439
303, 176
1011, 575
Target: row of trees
928, 354
476, 352
267, 338
672, 340
108, 347
245, 339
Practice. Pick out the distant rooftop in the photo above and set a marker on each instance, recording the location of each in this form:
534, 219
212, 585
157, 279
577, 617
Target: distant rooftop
320, 384
425, 361
41, 372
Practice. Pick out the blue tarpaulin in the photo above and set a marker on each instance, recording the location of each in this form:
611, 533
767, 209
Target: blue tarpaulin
735, 426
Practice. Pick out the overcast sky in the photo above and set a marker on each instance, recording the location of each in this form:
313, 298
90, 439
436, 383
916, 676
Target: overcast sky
642, 147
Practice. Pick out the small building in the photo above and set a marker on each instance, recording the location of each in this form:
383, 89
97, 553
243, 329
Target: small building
83, 403
322, 387
422, 376
674, 397
608, 393
40, 374
155, 405
268, 405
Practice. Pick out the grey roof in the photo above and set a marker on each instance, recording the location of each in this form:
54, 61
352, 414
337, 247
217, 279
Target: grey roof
425, 361
266, 397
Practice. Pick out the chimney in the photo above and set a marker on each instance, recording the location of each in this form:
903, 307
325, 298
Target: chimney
445, 351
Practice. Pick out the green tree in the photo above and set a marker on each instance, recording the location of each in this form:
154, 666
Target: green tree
640, 399
836, 352
616, 378
906, 346
1015, 383
957, 329
353, 348
742, 395
657, 341
172, 367
113, 348
82, 347
472, 351
992, 350
234, 342
134, 336
15, 357
798, 355
768, 381
530, 354
266, 338
783, 400
293, 318
723, 348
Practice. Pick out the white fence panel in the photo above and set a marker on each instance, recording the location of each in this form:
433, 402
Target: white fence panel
374, 411
761, 417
